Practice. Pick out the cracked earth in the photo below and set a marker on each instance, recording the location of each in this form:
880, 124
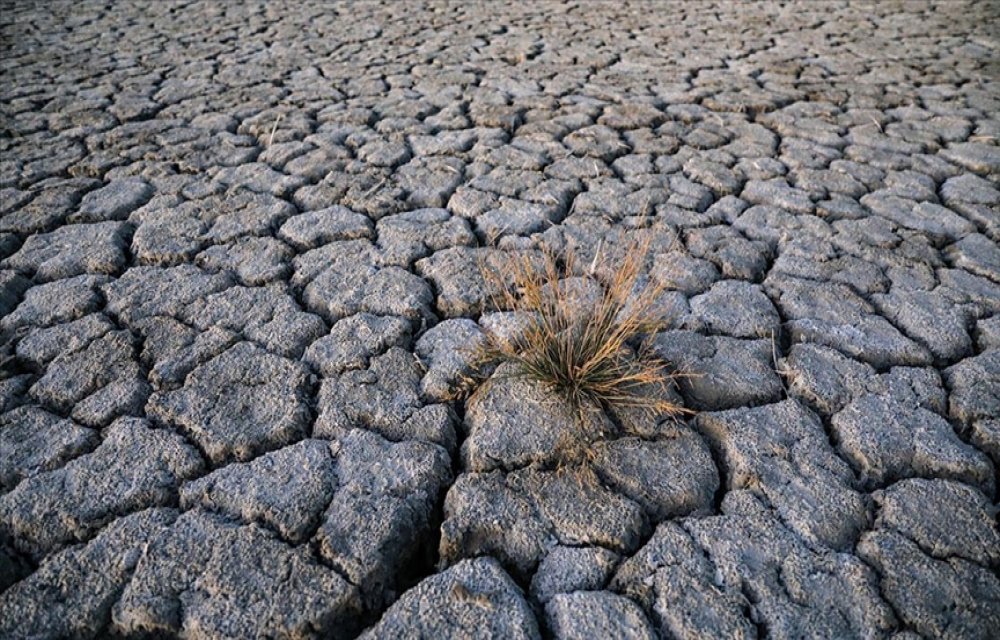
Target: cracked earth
240, 275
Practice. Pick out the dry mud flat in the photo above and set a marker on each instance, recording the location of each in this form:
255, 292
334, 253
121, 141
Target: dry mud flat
239, 255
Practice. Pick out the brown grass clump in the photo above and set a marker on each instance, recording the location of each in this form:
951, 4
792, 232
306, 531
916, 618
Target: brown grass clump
592, 353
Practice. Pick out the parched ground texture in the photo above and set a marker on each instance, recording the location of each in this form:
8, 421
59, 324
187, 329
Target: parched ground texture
240, 280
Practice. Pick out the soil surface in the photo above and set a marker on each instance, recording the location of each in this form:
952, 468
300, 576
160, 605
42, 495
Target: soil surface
240, 282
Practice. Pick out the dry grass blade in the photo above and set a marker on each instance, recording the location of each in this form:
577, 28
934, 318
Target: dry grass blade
582, 348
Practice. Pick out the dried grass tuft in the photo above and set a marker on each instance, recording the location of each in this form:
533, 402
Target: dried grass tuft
595, 354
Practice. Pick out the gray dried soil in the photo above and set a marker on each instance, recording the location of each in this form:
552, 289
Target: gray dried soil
240, 249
